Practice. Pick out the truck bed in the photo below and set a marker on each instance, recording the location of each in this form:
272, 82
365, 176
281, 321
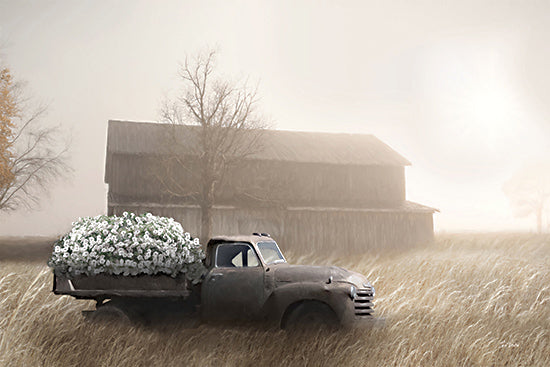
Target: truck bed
108, 286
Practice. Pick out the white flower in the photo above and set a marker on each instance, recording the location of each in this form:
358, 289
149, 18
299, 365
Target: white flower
95, 246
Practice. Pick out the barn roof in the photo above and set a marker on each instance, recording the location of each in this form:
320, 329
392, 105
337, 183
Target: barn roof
129, 137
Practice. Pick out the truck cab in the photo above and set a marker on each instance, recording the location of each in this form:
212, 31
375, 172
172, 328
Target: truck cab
248, 278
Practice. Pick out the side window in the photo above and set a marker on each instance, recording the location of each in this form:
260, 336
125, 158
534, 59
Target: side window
237, 260
236, 255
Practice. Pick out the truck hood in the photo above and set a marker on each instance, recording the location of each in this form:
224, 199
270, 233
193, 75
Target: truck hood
285, 273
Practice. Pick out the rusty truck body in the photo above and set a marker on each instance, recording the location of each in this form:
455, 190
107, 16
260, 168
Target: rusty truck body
247, 279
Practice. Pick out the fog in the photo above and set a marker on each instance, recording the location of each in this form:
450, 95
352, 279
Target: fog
458, 88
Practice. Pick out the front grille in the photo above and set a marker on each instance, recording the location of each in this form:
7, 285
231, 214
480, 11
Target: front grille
363, 302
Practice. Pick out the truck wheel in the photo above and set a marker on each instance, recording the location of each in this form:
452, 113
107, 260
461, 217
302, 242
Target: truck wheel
108, 314
311, 315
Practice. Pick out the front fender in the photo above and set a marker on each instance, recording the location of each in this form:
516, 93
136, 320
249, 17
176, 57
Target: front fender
335, 295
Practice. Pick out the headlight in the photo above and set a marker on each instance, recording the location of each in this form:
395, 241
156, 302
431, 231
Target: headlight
367, 284
352, 292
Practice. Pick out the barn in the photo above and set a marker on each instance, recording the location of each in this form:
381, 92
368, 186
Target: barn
309, 190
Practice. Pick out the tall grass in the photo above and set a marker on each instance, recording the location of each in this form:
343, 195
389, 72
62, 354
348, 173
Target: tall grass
465, 300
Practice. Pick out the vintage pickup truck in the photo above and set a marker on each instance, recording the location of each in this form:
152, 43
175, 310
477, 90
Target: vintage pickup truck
247, 279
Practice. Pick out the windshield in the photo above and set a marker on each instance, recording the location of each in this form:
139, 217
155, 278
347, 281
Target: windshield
270, 252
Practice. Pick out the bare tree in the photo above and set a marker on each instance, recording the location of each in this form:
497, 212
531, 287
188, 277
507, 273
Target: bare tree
8, 110
228, 128
32, 154
529, 191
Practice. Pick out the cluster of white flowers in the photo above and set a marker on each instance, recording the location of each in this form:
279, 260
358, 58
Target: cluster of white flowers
128, 245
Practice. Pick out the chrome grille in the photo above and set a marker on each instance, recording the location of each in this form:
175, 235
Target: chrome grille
363, 302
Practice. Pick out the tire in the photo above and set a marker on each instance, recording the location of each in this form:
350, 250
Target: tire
110, 314
311, 315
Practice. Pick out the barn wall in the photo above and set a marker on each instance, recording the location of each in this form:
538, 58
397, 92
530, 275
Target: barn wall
134, 178
353, 232
316, 184
327, 231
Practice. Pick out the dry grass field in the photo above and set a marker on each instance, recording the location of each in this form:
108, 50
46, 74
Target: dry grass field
465, 300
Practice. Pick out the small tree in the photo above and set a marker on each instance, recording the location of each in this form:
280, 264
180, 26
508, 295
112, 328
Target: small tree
529, 191
31, 154
228, 131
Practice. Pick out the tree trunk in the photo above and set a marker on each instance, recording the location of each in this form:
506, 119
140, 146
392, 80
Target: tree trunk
206, 224
206, 205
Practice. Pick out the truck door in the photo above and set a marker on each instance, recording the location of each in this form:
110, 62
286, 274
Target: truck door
234, 287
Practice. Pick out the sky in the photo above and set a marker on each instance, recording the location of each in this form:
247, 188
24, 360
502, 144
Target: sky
459, 88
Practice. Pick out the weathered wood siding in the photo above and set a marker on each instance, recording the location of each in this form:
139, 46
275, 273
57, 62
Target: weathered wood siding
135, 178
316, 184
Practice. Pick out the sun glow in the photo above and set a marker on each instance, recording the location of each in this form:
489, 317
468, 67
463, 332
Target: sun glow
491, 115
479, 106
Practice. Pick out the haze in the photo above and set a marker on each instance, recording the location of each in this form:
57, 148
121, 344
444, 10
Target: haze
458, 88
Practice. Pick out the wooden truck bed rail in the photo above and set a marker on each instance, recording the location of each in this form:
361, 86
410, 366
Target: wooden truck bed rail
107, 286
